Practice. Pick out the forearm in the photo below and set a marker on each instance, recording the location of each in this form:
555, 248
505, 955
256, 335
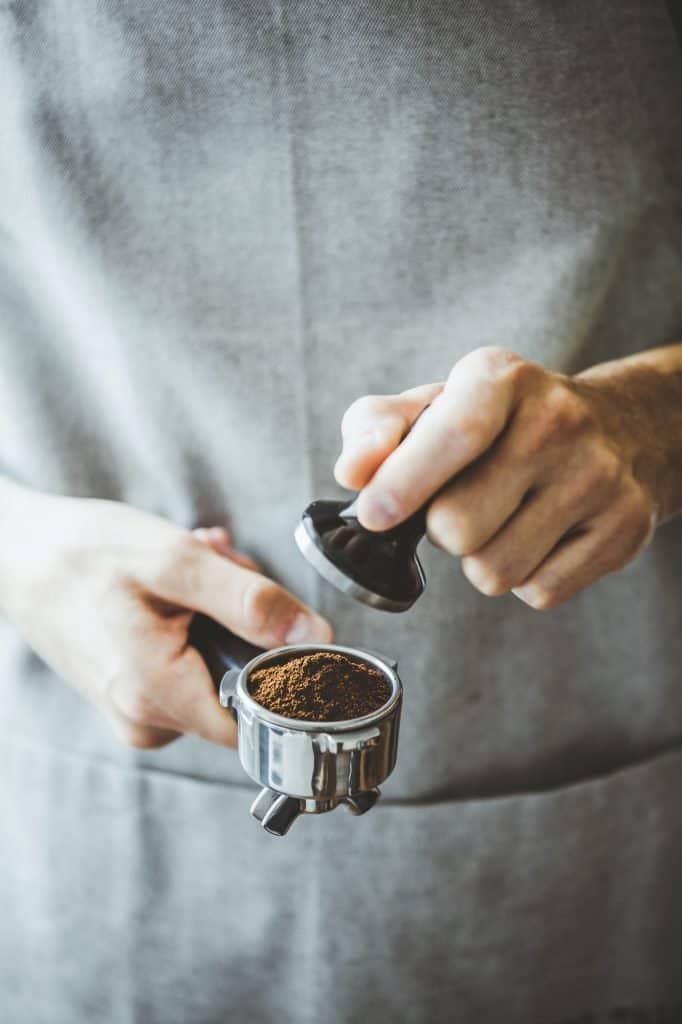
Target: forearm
646, 389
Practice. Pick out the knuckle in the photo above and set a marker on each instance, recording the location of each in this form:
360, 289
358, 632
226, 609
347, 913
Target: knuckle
634, 527
569, 413
559, 416
495, 361
449, 529
639, 509
178, 561
598, 475
492, 364
361, 410
607, 468
540, 597
467, 428
489, 579
461, 424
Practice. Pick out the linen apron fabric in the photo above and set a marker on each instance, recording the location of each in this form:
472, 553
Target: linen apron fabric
220, 223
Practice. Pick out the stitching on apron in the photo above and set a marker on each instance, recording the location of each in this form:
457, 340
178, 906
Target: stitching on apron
285, 96
671, 749
309, 905
131, 771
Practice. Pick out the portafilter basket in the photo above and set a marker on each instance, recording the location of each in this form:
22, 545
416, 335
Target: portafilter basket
304, 767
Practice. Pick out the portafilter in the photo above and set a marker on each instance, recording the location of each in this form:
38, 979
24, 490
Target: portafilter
303, 767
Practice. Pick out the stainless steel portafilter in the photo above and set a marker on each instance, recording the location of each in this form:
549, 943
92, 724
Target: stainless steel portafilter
303, 767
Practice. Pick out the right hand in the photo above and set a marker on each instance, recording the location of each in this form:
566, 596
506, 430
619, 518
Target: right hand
105, 594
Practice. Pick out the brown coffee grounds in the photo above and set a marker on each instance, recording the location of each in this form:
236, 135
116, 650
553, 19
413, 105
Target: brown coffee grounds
321, 687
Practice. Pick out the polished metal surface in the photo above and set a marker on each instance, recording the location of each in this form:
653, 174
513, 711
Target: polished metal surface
311, 767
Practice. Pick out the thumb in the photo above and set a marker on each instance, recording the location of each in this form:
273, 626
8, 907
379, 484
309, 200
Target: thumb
373, 427
190, 697
245, 602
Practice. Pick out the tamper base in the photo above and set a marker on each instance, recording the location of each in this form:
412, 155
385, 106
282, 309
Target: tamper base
380, 569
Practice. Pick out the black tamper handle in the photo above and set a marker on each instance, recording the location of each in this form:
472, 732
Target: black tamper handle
220, 649
411, 531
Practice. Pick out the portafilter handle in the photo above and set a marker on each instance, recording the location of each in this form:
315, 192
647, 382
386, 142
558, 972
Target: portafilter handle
220, 649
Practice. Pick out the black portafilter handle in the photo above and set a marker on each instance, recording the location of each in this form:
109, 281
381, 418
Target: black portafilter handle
220, 649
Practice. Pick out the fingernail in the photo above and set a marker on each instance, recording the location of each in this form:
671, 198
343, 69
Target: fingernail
378, 512
306, 630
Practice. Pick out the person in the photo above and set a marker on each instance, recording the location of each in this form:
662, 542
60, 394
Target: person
223, 225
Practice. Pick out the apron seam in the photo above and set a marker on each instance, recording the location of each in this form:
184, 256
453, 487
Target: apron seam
286, 101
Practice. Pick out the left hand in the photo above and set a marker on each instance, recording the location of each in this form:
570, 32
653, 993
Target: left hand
543, 483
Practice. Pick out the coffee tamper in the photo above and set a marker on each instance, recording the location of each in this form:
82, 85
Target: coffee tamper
303, 767
382, 569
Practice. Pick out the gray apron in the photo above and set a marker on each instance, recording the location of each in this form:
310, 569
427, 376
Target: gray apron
219, 224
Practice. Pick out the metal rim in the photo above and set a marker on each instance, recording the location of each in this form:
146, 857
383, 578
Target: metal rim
309, 548
298, 725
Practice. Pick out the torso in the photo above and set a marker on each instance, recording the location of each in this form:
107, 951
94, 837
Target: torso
221, 225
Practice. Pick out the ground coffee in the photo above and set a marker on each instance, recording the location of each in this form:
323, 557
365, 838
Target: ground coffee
321, 687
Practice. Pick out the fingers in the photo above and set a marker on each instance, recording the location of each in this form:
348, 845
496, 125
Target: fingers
470, 510
191, 699
142, 737
190, 575
150, 709
606, 544
155, 728
165, 688
373, 427
460, 425
516, 550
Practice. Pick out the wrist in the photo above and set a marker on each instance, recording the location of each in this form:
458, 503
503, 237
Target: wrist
638, 401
